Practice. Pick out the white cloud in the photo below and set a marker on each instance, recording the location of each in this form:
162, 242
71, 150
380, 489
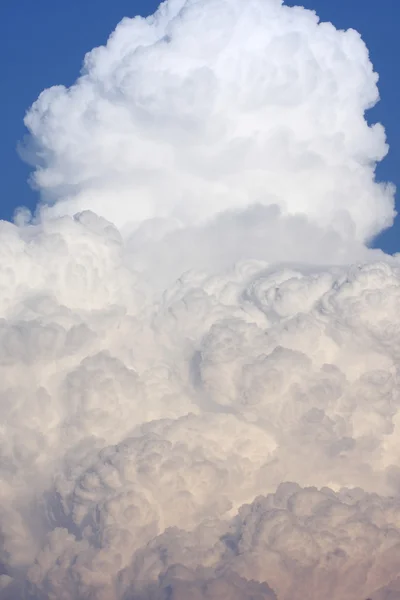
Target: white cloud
160, 380
213, 105
306, 542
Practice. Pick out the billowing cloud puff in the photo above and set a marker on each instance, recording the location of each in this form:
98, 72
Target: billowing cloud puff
212, 105
308, 543
131, 419
195, 320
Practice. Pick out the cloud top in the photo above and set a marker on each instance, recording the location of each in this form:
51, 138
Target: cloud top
210, 105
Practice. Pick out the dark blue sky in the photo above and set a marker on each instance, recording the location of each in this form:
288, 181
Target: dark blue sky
42, 43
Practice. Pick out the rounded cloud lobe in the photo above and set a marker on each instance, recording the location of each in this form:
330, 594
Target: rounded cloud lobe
199, 381
212, 105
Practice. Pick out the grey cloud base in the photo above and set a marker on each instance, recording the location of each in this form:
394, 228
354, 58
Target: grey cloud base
193, 319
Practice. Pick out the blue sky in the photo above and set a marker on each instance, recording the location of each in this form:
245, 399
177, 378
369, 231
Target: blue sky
43, 42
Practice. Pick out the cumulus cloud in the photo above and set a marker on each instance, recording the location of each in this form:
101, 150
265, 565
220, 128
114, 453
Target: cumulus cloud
199, 380
214, 105
308, 543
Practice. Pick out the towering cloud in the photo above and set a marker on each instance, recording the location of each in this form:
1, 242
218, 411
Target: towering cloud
199, 381
214, 105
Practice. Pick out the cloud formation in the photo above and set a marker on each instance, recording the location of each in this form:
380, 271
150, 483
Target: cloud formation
213, 105
199, 381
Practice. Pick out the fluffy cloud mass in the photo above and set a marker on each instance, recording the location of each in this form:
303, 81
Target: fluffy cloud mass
199, 354
217, 104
